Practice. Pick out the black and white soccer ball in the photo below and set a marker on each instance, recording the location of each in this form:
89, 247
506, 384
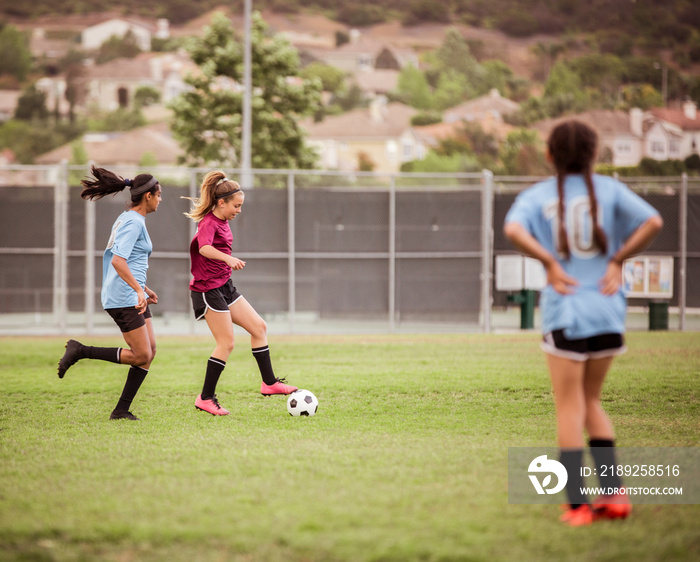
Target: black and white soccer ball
302, 403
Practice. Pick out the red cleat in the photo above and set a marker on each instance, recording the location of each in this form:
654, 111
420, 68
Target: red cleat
612, 507
582, 515
210, 406
279, 387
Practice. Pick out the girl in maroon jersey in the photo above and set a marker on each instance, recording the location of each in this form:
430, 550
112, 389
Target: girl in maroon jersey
214, 297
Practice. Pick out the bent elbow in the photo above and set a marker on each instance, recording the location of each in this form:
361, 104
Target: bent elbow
657, 223
510, 229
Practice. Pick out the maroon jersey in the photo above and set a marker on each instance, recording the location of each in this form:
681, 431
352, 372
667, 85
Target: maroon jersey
210, 274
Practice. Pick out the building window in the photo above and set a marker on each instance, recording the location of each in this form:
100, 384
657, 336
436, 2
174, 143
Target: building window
674, 147
407, 152
624, 146
364, 62
657, 147
123, 97
392, 150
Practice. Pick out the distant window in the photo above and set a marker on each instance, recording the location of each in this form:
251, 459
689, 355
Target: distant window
407, 151
123, 97
674, 147
624, 146
364, 62
657, 147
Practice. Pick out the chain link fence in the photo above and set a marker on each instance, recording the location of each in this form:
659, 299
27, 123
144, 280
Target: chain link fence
324, 250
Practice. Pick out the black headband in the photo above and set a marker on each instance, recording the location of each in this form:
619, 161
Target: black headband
226, 194
144, 188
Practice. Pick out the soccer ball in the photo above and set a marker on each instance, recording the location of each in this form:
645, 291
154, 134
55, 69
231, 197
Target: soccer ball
302, 403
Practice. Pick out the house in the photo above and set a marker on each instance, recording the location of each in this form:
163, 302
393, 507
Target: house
685, 122
491, 106
363, 54
626, 138
381, 135
123, 148
92, 37
8, 103
45, 46
377, 82
51, 37
113, 84
621, 134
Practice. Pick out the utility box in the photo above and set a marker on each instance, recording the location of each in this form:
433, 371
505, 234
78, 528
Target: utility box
522, 277
650, 277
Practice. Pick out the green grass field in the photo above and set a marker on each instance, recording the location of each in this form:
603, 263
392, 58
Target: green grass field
405, 460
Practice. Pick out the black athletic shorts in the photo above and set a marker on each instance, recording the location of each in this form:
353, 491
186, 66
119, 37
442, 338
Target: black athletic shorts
218, 299
595, 347
128, 318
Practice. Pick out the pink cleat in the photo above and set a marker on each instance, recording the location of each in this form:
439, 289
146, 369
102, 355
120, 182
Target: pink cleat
612, 507
211, 406
278, 387
579, 517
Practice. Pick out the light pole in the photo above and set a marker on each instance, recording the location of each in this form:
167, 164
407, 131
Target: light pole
664, 80
246, 178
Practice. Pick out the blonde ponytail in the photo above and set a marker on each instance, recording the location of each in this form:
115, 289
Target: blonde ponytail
215, 186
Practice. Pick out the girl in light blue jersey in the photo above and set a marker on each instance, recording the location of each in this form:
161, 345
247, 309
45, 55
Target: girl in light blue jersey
125, 295
582, 227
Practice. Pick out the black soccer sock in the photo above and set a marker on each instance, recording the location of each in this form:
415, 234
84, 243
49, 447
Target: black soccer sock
111, 354
214, 369
603, 451
572, 459
262, 356
133, 383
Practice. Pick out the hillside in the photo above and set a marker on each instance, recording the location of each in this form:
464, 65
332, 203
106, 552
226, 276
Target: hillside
616, 25
499, 29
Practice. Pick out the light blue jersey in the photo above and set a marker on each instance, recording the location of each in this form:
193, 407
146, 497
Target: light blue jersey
586, 312
129, 240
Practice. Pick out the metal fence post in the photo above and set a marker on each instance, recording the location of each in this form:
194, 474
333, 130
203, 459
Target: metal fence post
683, 233
55, 301
90, 223
392, 253
291, 249
60, 262
192, 226
486, 248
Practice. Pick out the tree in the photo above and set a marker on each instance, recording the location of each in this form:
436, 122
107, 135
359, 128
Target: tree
521, 154
454, 53
644, 96
547, 52
413, 88
117, 47
79, 156
332, 78
16, 58
604, 72
452, 89
208, 119
563, 92
145, 96
74, 71
31, 105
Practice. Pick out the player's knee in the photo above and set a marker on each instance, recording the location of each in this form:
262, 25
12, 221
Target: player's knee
260, 328
226, 346
142, 356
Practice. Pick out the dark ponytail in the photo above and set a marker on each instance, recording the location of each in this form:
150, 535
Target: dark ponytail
572, 146
105, 182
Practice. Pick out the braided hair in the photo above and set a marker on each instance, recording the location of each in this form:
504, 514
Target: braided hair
572, 146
